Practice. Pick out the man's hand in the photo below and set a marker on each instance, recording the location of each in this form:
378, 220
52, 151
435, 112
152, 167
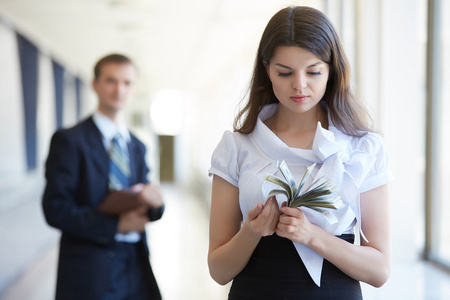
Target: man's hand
149, 195
133, 220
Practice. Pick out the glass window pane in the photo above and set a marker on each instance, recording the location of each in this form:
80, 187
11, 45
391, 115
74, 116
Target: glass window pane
443, 238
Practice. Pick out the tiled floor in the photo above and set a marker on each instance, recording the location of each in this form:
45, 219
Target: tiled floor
179, 246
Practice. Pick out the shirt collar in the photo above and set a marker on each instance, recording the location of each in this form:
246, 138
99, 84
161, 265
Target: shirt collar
326, 141
109, 129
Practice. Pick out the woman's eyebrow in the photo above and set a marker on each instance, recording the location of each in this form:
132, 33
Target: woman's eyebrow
283, 66
310, 66
315, 64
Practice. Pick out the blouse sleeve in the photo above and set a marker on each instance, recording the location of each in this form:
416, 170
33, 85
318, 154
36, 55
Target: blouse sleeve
380, 172
224, 159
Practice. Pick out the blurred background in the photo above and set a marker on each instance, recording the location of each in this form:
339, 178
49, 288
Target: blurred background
195, 60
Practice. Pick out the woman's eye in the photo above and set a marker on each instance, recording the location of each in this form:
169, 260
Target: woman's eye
314, 73
284, 74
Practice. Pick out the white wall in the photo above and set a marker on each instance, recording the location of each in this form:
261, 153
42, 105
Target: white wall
12, 151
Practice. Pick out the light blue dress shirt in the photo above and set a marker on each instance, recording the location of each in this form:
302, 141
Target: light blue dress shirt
109, 130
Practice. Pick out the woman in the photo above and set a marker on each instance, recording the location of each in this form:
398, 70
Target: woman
300, 110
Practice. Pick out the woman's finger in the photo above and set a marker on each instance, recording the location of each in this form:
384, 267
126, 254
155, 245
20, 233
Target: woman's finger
255, 212
292, 211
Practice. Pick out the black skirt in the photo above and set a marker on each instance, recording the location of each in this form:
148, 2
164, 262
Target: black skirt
276, 272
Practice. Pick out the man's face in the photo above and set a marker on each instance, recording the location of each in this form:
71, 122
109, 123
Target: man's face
114, 86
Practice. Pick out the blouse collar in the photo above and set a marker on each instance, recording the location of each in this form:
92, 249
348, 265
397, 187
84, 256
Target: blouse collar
326, 141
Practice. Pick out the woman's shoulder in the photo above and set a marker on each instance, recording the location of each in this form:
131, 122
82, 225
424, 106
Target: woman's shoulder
225, 158
370, 142
233, 146
233, 139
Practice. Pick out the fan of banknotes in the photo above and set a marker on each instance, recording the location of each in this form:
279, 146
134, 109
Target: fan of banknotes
318, 196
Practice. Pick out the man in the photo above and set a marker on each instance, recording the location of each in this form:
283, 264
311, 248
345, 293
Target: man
102, 256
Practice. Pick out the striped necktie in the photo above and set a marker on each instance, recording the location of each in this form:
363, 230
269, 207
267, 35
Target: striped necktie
119, 166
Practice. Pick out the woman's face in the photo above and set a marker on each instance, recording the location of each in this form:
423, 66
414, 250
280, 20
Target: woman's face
299, 78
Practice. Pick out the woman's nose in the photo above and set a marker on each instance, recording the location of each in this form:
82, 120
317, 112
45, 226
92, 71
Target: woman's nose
299, 82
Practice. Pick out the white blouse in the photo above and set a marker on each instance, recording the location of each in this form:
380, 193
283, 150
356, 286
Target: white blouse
356, 165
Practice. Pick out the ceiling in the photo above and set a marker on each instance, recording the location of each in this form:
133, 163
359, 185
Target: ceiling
188, 45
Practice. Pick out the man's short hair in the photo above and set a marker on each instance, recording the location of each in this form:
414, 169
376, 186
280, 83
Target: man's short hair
111, 58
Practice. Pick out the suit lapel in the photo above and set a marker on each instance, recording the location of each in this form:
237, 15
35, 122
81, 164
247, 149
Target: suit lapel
98, 151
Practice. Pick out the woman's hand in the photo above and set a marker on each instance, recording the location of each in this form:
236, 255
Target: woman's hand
263, 219
294, 225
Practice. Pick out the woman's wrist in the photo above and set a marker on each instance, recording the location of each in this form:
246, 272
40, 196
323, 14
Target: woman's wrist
249, 233
315, 239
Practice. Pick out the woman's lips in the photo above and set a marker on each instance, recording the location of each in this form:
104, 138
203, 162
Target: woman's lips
299, 98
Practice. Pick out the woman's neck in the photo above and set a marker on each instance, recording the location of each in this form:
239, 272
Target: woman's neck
297, 130
287, 120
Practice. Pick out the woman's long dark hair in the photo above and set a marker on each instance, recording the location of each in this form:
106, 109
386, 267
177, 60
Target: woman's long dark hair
310, 29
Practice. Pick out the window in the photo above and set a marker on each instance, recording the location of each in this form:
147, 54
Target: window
438, 145
443, 170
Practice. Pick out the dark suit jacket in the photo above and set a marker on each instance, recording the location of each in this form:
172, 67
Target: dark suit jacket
77, 182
